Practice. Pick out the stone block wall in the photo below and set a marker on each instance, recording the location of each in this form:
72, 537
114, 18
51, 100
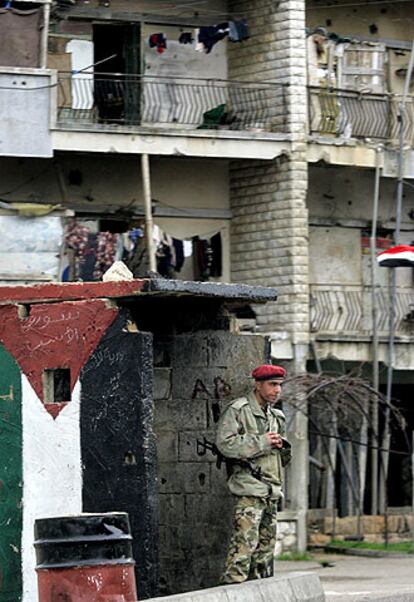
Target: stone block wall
269, 240
195, 374
322, 528
269, 233
287, 533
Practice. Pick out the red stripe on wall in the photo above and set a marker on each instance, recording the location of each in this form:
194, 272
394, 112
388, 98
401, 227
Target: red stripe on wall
54, 335
69, 291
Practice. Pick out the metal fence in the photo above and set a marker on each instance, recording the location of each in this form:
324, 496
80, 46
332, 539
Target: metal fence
347, 113
121, 100
346, 309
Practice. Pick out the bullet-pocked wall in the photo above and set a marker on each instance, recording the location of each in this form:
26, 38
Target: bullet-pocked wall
340, 203
371, 19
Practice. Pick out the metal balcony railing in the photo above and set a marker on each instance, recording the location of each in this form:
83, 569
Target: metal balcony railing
348, 113
113, 100
339, 309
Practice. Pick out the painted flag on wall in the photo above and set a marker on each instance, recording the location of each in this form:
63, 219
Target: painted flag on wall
399, 256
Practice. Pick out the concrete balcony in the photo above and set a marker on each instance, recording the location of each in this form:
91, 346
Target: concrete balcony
346, 127
341, 322
341, 310
161, 115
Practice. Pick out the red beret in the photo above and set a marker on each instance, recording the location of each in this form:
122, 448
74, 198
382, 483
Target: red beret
267, 372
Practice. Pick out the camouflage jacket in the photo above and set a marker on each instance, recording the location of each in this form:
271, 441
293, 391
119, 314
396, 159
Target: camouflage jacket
241, 436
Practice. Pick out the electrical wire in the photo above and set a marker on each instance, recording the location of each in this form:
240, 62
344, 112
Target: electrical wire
24, 89
361, 443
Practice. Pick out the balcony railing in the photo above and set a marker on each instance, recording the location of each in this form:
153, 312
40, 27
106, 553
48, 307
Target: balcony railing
113, 100
347, 113
346, 310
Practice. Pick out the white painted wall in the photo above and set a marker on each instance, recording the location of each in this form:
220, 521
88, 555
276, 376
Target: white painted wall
82, 83
29, 247
182, 60
52, 473
178, 63
26, 110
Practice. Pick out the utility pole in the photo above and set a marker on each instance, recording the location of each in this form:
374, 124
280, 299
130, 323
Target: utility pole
149, 223
393, 287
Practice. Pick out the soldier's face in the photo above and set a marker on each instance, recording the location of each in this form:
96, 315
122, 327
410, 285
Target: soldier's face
269, 390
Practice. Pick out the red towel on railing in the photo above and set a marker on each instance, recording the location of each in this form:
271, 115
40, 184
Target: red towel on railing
401, 255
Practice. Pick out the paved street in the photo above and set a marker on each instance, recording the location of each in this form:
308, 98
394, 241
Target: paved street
355, 578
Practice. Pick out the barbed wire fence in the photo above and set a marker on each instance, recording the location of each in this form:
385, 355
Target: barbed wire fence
341, 435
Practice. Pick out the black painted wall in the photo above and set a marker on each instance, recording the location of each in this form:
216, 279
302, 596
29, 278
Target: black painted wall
117, 442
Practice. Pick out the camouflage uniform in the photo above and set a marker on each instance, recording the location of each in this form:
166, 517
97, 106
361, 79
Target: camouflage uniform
256, 481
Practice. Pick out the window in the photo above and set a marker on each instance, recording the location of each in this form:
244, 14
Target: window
56, 385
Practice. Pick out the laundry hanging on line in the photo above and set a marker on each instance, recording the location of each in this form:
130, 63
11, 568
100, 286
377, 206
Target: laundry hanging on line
158, 41
93, 253
209, 36
238, 30
186, 38
207, 257
206, 36
169, 253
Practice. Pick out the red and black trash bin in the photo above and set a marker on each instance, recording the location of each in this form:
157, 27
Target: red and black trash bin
85, 558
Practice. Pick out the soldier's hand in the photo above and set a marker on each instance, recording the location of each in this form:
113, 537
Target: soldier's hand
275, 440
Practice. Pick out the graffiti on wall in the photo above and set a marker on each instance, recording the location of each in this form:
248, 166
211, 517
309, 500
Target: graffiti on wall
48, 338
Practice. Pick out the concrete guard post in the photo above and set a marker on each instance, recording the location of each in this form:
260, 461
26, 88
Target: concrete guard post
295, 587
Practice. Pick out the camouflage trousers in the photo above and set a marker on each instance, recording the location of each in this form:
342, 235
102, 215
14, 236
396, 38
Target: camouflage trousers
251, 549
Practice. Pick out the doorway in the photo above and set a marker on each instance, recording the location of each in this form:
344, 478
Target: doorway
117, 57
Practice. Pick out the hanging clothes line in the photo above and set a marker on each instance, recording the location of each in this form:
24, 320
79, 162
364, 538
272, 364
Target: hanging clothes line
206, 37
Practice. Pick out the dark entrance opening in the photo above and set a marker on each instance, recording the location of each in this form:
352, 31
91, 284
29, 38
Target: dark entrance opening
117, 77
399, 472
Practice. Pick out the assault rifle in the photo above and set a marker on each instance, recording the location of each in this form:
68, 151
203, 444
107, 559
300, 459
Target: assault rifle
206, 445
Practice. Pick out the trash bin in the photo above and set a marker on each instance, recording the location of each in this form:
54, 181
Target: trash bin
85, 558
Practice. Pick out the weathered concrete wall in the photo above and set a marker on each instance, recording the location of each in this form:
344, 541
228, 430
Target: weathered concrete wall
347, 193
181, 60
108, 183
395, 21
194, 375
100, 185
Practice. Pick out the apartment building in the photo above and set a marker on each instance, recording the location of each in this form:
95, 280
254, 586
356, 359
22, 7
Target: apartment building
268, 148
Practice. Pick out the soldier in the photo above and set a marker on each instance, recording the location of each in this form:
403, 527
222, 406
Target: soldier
251, 437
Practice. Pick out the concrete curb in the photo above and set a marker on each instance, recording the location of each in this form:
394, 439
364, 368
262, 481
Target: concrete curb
295, 587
